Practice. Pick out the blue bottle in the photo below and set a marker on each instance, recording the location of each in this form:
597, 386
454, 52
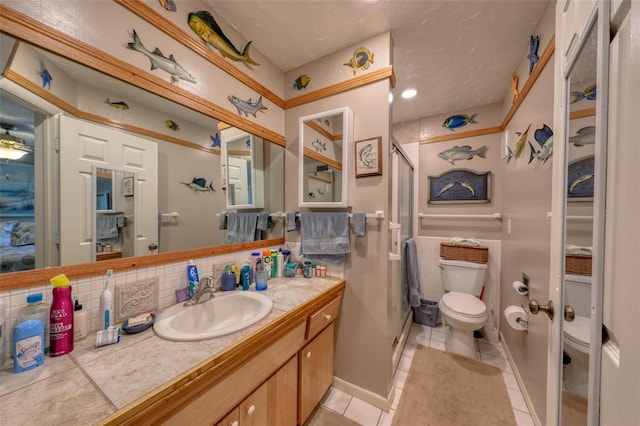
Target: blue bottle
28, 345
193, 278
245, 276
261, 277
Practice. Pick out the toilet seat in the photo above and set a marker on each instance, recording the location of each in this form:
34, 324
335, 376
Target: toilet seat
578, 332
464, 305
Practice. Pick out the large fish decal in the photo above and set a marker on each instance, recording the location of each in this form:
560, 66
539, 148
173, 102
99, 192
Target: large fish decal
247, 107
544, 137
158, 60
533, 52
206, 27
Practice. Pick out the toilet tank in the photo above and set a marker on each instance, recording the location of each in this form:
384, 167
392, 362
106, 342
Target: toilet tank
462, 277
577, 294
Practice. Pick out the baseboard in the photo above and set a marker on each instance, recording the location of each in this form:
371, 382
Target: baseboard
523, 388
365, 395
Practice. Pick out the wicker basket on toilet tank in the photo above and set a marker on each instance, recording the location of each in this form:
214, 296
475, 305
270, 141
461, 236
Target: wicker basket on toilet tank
465, 253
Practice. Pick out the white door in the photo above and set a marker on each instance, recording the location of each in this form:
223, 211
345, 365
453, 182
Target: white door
620, 358
239, 188
83, 144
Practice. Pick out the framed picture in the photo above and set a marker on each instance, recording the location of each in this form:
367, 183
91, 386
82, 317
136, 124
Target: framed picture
460, 186
127, 186
367, 156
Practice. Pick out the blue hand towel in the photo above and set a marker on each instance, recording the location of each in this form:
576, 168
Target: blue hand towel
264, 221
223, 221
325, 236
412, 273
292, 221
359, 224
241, 227
106, 226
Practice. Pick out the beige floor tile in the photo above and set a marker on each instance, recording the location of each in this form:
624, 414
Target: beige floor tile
386, 418
362, 412
336, 400
523, 419
517, 401
405, 363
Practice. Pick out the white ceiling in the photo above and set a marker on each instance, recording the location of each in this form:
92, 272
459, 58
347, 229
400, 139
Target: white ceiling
457, 54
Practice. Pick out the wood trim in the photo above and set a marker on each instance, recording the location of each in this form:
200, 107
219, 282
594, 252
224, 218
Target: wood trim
30, 30
198, 46
49, 97
528, 85
318, 128
588, 112
344, 86
321, 158
319, 179
239, 153
168, 399
23, 279
462, 135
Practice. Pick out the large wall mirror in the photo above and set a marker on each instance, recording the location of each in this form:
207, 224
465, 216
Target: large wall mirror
325, 144
190, 190
581, 158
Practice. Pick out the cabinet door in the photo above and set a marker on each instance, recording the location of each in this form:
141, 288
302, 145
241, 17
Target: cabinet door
316, 372
232, 419
273, 403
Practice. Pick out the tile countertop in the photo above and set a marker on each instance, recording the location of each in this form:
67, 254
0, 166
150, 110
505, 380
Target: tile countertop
92, 383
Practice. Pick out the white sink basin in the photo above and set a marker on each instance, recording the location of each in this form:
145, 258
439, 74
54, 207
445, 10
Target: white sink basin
225, 313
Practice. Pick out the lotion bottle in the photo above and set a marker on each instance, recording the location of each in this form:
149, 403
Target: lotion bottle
80, 322
106, 304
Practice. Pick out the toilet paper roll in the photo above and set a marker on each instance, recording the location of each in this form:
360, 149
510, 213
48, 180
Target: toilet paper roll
514, 313
520, 288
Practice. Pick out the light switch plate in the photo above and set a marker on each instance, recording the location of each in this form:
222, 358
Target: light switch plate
136, 297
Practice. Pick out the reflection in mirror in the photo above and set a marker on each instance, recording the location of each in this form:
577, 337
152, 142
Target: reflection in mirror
115, 214
325, 141
188, 153
581, 85
243, 168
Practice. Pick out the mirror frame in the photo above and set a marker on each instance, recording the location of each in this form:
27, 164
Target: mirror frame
257, 173
347, 171
25, 28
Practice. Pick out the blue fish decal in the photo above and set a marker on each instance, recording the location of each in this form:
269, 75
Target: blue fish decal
589, 94
456, 121
544, 137
533, 52
169, 5
215, 140
46, 77
200, 185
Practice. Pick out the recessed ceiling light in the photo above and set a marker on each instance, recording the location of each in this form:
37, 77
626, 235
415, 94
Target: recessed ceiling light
409, 93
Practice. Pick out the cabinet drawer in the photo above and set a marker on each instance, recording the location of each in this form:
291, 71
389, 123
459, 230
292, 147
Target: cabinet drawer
322, 317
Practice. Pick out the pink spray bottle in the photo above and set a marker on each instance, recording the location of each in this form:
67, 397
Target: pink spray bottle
61, 317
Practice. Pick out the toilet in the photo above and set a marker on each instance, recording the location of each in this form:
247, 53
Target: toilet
460, 306
577, 334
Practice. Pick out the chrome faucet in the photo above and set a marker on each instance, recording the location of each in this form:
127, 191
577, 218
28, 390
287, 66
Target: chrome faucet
206, 287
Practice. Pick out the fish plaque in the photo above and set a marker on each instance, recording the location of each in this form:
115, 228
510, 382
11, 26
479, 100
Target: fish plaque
580, 179
460, 186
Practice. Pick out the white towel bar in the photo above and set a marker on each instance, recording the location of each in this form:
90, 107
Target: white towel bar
172, 215
496, 216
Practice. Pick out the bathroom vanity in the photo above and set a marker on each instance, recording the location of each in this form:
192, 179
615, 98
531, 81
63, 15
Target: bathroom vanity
274, 372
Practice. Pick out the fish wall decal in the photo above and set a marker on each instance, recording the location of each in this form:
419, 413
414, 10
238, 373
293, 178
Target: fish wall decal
200, 185
514, 87
319, 146
520, 144
45, 76
534, 43
584, 136
589, 94
462, 153
544, 137
169, 5
119, 104
205, 26
459, 120
172, 125
158, 60
362, 58
301, 82
215, 140
247, 106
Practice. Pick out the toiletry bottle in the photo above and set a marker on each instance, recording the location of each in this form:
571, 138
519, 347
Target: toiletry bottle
228, 279
280, 263
3, 331
80, 322
28, 348
306, 270
36, 309
254, 259
106, 304
193, 278
261, 277
61, 317
236, 271
274, 264
246, 275
266, 262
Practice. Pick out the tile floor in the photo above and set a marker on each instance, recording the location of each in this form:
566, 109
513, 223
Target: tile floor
363, 413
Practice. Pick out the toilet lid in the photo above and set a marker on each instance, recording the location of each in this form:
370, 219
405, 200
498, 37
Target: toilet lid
465, 304
578, 330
